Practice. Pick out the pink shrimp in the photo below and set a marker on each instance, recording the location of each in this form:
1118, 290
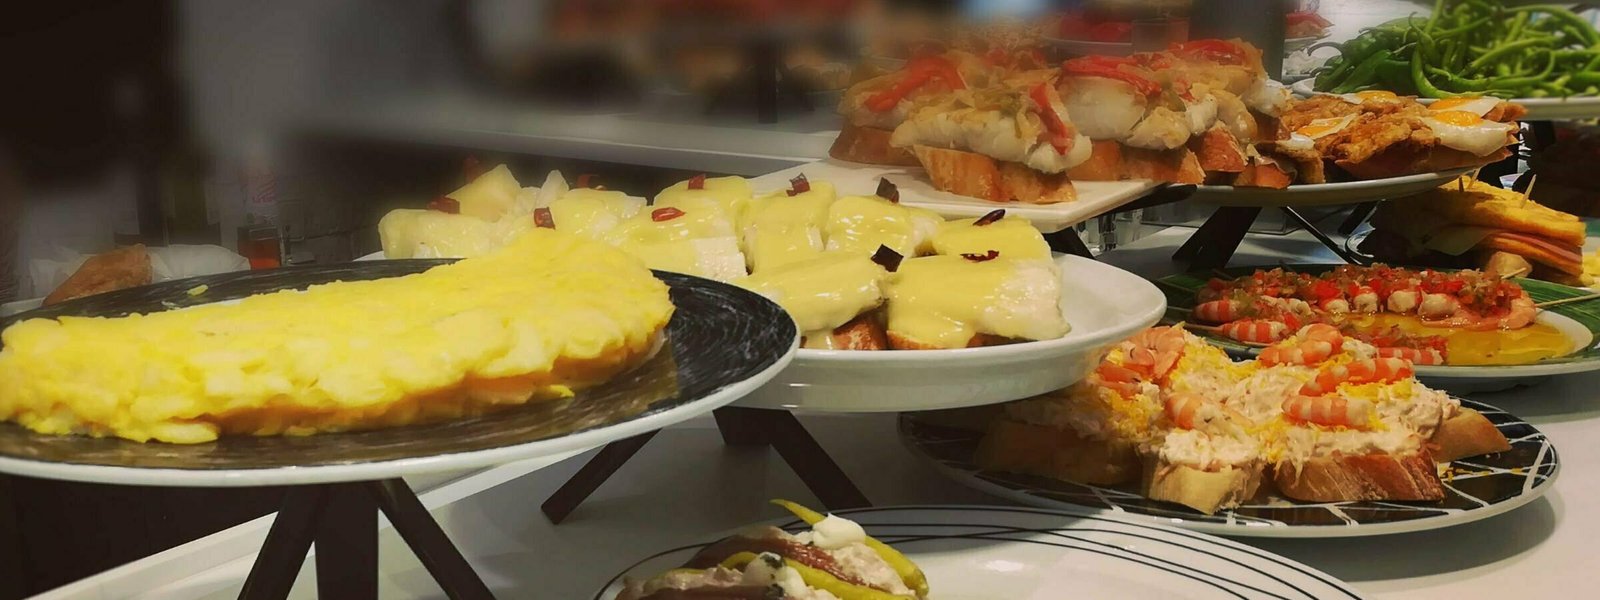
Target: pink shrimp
1359, 372
1330, 410
1334, 306
1403, 301
1117, 377
1310, 346
1255, 331
1364, 300
1219, 311
1153, 352
1437, 306
1192, 411
1521, 314
1416, 356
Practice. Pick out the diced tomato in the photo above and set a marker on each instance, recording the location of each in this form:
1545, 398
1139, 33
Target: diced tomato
1324, 290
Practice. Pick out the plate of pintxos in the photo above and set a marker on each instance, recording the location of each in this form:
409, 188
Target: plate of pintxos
1453, 325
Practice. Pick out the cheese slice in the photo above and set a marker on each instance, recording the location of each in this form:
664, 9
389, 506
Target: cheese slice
1012, 237
489, 197
779, 229
823, 292
593, 213
415, 233
944, 301
860, 224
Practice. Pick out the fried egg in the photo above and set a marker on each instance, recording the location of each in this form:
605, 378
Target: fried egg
1479, 105
1468, 132
1377, 96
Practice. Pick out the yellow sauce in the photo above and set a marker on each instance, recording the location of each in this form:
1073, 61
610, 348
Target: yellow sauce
1012, 237
779, 229
1479, 348
824, 292
729, 194
860, 224
592, 213
943, 301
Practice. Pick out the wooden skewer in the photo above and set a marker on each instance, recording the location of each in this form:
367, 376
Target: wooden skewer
1583, 298
1531, 180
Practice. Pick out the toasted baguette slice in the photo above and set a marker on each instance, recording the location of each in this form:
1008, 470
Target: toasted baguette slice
865, 332
118, 269
1112, 161
1205, 491
1264, 174
1219, 152
1342, 477
1408, 159
1058, 453
1468, 433
979, 176
869, 145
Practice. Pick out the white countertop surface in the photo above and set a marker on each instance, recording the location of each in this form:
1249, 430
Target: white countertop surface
685, 486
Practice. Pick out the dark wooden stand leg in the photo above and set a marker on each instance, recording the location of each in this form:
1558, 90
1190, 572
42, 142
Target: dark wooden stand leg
451, 570
1336, 247
347, 544
278, 563
741, 426
343, 521
1222, 239
13, 575
588, 479
1358, 215
1067, 241
821, 475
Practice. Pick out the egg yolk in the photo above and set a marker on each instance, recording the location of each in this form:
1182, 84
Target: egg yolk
1323, 127
1380, 95
1452, 104
1458, 117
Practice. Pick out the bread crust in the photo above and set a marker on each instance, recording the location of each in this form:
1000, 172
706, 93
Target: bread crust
1112, 161
865, 332
1264, 174
979, 176
1407, 159
1468, 433
869, 145
1204, 491
1058, 453
1219, 152
106, 272
1343, 477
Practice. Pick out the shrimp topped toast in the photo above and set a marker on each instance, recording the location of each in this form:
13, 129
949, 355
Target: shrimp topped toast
1320, 416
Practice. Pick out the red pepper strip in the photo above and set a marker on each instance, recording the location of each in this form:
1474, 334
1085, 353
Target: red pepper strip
987, 256
543, 218
1220, 51
1081, 68
665, 214
445, 204
584, 180
1060, 131
799, 185
698, 182
918, 71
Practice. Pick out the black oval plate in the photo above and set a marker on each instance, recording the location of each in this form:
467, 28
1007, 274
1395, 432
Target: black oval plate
1477, 487
720, 335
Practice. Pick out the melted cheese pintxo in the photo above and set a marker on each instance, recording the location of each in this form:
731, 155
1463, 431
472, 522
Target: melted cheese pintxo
547, 315
822, 293
417, 233
1012, 237
859, 224
947, 301
728, 194
593, 213
779, 229
699, 243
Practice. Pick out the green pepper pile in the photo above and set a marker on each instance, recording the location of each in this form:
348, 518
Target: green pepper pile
1469, 48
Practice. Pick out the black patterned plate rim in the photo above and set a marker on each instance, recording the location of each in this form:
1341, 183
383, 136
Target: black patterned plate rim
722, 343
1515, 478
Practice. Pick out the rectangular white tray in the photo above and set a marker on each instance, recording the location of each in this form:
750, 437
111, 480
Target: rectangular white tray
1095, 198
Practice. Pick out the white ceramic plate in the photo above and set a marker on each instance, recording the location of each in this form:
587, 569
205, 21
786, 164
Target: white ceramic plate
1478, 487
1094, 197
993, 552
1539, 109
1104, 305
1325, 194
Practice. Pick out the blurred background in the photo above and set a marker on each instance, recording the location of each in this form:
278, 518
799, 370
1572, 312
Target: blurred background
283, 130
